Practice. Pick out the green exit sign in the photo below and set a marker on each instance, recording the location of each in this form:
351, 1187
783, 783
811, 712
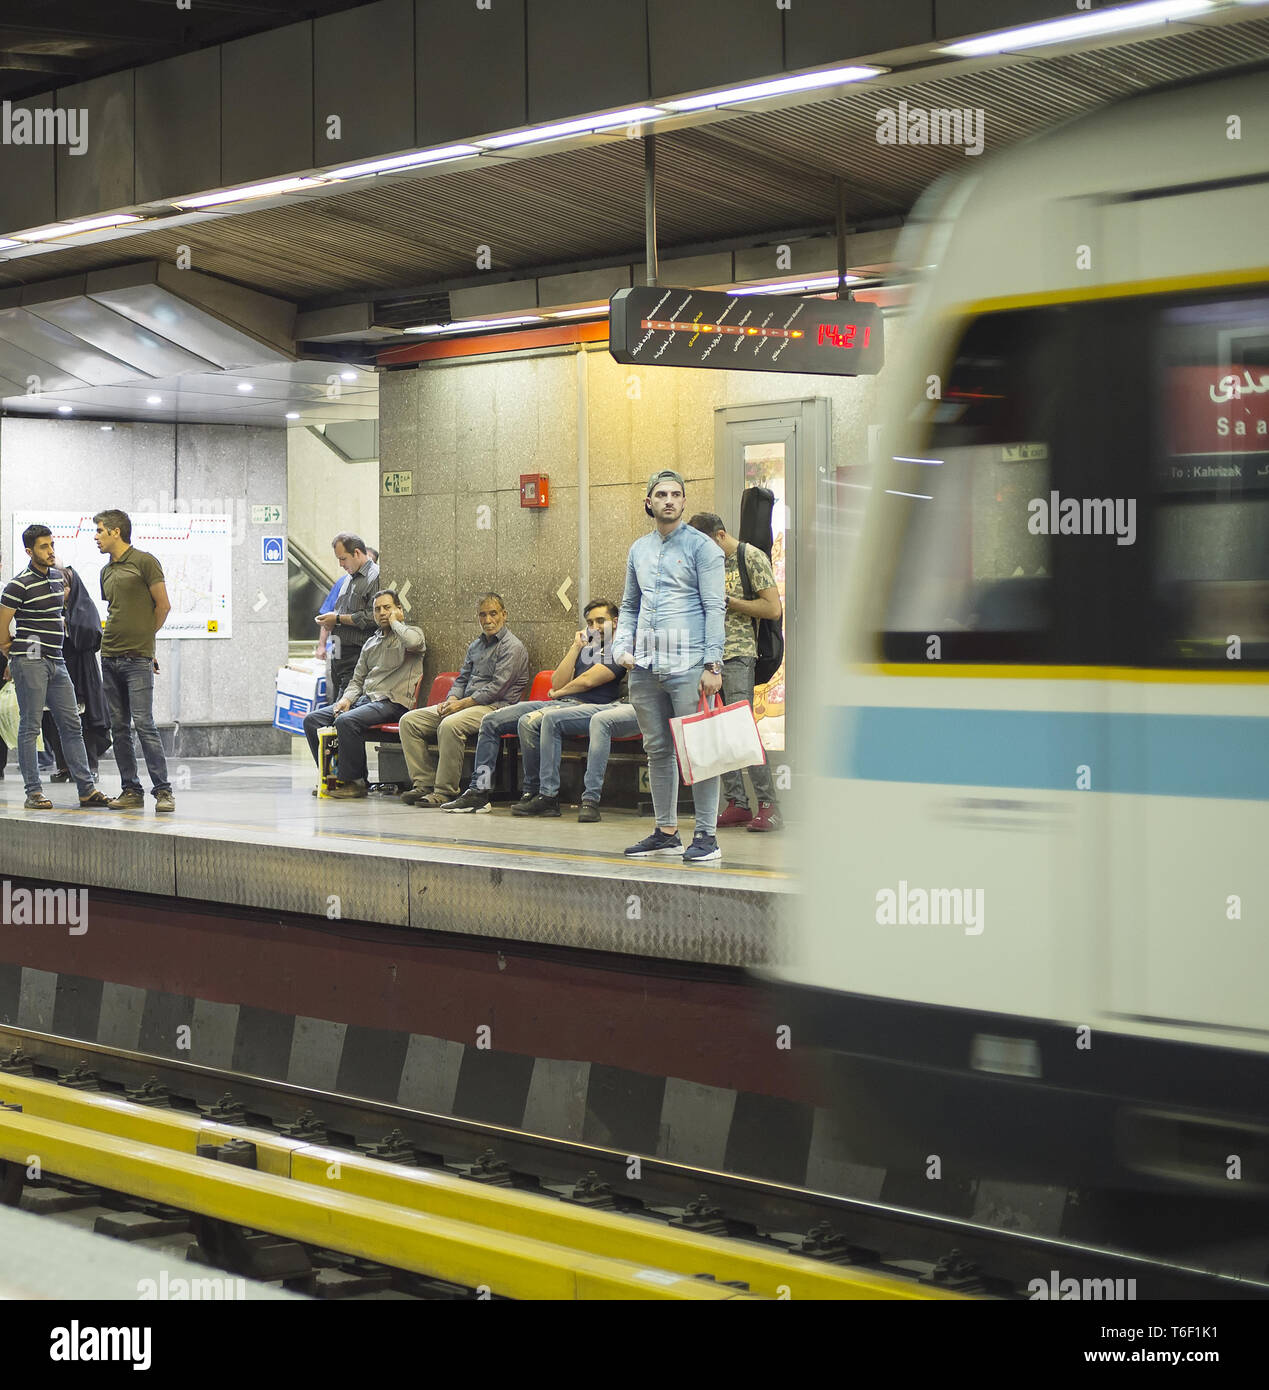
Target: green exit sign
398, 484
265, 515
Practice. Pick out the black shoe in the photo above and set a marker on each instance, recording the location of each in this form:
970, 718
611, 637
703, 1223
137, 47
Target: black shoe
541, 806
519, 809
589, 812
471, 800
61, 775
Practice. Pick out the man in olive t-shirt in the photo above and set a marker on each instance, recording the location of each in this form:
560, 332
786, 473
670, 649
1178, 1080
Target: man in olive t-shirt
132, 584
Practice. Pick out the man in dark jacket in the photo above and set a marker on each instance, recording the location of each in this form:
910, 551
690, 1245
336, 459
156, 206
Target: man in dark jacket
83, 640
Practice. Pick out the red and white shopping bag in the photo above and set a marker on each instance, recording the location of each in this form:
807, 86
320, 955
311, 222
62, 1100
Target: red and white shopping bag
717, 739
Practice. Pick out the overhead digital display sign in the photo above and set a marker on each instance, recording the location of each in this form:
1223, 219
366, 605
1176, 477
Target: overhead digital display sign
745, 332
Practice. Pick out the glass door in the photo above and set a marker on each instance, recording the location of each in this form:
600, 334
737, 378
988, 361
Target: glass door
783, 447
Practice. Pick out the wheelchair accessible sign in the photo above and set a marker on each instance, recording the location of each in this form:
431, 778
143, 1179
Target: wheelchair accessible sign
272, 550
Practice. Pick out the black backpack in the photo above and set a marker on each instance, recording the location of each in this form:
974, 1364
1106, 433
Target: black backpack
768, 631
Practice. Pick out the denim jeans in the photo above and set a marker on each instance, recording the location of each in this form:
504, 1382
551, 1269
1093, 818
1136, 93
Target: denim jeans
42, 681
543, 733
492, 727
656, 700
352, 725
129, 685
737, 686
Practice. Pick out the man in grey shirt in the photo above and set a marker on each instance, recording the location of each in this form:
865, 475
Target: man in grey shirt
495, 673
379, 691
351, 622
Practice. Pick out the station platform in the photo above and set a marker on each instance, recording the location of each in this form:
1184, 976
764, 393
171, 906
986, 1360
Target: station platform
247, 833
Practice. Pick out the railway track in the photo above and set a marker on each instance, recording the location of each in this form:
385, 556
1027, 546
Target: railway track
339, 1196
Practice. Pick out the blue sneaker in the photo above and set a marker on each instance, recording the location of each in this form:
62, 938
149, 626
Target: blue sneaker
702, 850
656, 843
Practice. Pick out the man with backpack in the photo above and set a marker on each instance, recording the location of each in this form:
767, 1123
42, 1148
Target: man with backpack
752, 597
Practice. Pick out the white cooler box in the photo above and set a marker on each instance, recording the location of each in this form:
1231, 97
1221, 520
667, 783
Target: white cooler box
301, 688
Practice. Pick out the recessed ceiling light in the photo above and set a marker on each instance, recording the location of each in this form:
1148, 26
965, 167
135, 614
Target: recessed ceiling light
758, 90
587, 125
466, 324
71, 228
292, 414
1076, 27
245, 386
107, 427
259, 190
64, 409
401, 161
154, 400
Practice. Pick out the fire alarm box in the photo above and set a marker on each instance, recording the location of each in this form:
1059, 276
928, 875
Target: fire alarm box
535, 490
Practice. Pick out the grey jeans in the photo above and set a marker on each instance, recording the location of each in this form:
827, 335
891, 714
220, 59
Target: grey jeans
738, 685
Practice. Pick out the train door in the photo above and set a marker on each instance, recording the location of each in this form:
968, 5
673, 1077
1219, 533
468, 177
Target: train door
783, 446
1191, 811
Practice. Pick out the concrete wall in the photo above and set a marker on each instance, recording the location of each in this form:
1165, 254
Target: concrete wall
326, 495
468, 430
67, 465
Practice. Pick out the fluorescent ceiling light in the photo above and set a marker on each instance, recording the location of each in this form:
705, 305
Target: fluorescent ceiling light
401, 161
6, 243
64, 409
1077, 27
584, 126
756, 91
580, 313
292, 414
474, 323
259, 190
107, 427
71, 228
348, 376
154, 400
245, 386
820, 282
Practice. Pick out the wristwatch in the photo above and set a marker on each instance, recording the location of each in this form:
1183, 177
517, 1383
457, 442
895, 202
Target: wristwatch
715, 668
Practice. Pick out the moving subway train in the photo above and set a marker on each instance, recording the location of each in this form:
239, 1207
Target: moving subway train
1036, 933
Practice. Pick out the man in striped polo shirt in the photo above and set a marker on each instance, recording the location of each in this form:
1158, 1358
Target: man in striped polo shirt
35, 598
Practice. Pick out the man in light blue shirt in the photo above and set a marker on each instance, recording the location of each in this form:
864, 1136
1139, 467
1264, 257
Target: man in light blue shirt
670, 636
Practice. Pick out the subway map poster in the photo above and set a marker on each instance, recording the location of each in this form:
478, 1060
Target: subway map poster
195, 552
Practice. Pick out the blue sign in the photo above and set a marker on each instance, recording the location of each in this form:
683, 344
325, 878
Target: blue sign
272, 551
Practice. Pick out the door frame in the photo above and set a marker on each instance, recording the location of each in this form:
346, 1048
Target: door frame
806, 422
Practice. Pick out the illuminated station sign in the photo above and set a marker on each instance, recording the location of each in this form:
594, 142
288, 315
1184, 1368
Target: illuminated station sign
745, 332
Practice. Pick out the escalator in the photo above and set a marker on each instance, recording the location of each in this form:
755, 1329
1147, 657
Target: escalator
308, 583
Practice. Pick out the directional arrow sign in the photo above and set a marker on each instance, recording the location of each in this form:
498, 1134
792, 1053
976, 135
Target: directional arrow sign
562, 594
401, 594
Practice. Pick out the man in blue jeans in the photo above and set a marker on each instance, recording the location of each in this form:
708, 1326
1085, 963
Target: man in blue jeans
584, 699
578, 681
36, 598
132, 584
670, 637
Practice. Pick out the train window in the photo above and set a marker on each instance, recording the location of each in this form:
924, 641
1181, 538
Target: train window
975, 564
1211, 482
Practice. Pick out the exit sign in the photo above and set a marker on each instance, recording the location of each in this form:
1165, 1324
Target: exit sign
398, 484
662, 327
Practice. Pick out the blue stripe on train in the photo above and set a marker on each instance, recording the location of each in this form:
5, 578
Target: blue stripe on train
1150, 754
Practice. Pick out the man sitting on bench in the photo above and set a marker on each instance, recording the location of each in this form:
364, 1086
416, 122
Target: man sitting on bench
585, 700
380, 691
578, 682
495, 673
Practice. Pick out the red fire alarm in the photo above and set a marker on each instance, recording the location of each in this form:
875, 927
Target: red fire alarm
535, 490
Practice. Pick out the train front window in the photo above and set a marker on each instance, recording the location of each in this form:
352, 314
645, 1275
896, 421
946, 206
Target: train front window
975, 564
1211, 482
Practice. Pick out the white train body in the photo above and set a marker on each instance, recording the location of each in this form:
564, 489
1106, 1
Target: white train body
1048, 724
